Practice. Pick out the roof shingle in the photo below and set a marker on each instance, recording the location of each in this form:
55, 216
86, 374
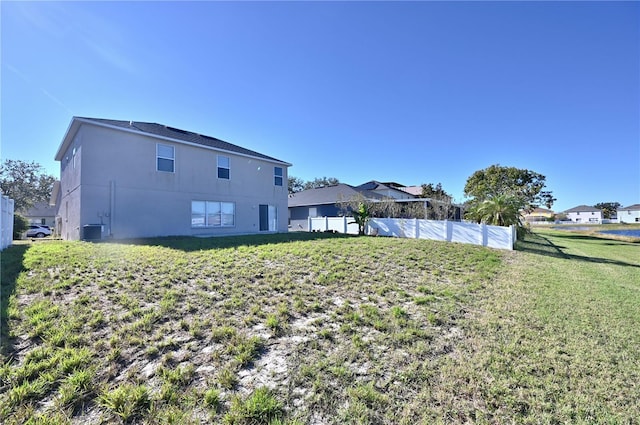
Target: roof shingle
165, 131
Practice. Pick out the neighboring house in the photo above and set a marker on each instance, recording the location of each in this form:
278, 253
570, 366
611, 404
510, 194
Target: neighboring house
584, 214
538, 215
322, 202
388, 190
127, 179
41, 213
630, 214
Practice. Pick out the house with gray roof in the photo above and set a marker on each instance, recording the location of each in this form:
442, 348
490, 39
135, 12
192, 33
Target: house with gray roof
130, 179
41, 213
630, 214
388, 190
323, 202
584, 214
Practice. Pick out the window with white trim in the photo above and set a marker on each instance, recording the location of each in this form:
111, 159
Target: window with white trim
213, 214
278, 176
165, 158
224, 167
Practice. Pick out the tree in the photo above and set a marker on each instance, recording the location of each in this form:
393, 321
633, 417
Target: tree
296, 184
321, 182
359, 207
525, 186
547, 198
609, 209
440, 205
435, 192
25, 182
501, 210
361, 216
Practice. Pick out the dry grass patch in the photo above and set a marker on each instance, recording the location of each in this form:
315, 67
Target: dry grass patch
317, 328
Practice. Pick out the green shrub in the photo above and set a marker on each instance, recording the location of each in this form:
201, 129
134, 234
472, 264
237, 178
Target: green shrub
20, 225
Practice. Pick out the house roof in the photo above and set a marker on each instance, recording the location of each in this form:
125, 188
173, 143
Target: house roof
583, 208
394, 185
40, 209
413, 190
539, 210
160, 131
330, 195
634, 207
376, 185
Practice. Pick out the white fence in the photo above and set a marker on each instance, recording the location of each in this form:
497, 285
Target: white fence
451, 231
6, 222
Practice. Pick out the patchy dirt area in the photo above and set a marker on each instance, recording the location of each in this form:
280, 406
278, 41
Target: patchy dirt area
336, 329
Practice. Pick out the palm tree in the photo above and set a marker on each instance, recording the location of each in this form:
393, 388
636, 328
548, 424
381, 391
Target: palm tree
361, 216
501, 210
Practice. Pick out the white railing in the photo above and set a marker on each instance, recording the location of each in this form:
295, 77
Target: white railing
450, 231
6, 223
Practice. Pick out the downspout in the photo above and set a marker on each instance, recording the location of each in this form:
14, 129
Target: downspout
112, 205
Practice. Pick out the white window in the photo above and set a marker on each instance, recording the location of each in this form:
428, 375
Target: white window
212, 214
165, 158
223, 167
277, 176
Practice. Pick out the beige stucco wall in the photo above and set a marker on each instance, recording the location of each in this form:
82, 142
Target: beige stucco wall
115, 183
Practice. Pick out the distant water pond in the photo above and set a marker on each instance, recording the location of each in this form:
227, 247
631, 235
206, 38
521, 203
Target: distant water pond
631, 232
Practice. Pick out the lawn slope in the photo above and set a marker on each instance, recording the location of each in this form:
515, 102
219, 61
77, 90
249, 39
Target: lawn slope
307, 328
557, 338
321, 329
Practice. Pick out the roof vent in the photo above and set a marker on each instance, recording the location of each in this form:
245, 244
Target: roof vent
130, 123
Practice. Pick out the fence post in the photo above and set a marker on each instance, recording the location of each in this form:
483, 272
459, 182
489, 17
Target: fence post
512, 240
417, 228
6, 222
345, 225
483, 234
2, 223
326, 223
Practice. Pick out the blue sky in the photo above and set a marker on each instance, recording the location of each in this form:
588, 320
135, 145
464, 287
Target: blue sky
411, 92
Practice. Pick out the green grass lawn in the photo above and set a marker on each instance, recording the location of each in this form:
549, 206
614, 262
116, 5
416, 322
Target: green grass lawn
321, 328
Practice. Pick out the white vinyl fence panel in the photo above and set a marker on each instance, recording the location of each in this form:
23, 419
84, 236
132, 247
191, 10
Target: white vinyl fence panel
333, 224
6, 222
451, 231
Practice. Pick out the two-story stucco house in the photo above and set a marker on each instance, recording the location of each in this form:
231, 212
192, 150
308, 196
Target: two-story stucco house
630, 214
136, 179
584, 214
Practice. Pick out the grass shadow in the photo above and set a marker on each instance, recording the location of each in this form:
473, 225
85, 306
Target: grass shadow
537, 244
11, 266
193, 243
